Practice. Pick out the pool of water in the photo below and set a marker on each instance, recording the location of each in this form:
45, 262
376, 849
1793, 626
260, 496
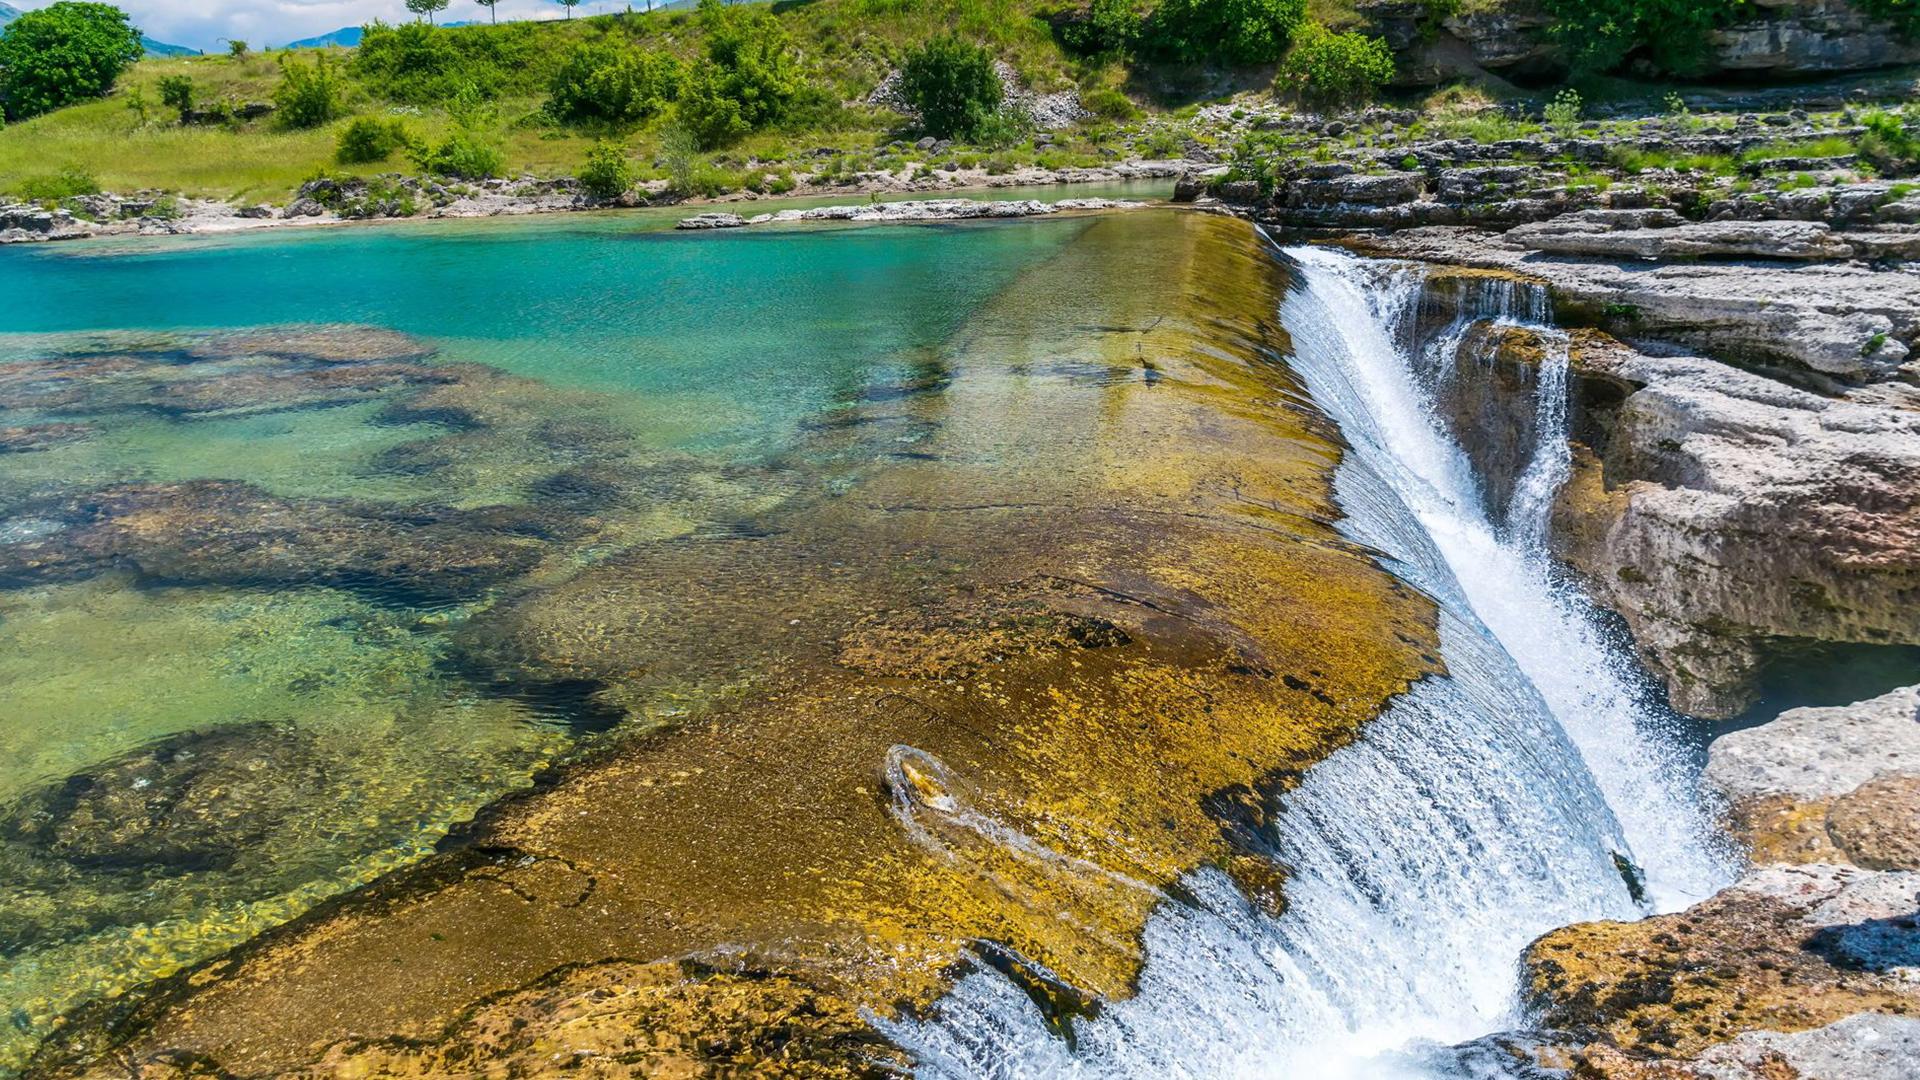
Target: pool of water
250, 486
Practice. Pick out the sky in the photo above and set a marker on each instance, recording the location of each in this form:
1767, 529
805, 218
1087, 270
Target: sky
207, 24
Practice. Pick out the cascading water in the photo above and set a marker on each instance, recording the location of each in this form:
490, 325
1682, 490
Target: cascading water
1517, 794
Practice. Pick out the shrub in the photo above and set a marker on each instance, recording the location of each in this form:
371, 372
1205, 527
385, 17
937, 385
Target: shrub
607, 173
369, 139
471, 151
308, 94
1599, 34
1335, 69
1108, 26
420, 64
603, 81
952, 84
176, 93
1888, 144
1236, 31
750, 77
62, 54
1563, 112
65, 184
237, 49
1109, 105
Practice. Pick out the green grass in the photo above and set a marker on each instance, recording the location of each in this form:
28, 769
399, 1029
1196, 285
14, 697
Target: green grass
1829, 147
1633, 160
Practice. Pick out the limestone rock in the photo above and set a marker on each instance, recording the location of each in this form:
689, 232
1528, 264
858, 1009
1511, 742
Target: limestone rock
1730, 515
712, 221
1804, 37
1590, 233
1814, 754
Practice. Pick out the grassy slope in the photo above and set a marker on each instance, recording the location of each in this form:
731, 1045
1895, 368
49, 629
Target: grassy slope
849, 44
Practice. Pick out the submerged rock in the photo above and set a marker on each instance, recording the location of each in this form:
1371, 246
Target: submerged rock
215, 531
191, 802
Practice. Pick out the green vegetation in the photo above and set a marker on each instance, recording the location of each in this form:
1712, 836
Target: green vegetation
1630, 159
1334, 69
1888, 144
1235, 31
952, 85
607, 173
1109, 27
62, 54
1903, 14
176, 92
1598, 34
750, 77
64, 184
370, 139
611, 81
309, 94
471, 149
1563, 112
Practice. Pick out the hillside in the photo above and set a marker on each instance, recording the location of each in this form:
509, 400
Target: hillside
1451, 58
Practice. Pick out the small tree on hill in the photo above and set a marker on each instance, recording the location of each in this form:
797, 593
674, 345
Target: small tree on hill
569, 5
1236, 31
62, 54
952, 84
489, 5
426, 7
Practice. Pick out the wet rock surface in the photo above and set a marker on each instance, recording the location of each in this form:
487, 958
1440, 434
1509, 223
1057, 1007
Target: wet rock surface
861, 718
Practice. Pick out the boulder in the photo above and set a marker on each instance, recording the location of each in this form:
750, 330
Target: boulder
712, 221
1809, 37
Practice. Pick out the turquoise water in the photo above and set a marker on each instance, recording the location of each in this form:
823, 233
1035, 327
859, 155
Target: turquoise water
746, 332
252, 488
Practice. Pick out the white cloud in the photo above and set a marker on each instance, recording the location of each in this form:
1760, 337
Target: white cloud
203, 24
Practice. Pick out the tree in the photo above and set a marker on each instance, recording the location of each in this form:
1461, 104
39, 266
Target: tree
176, 93
426, 7
1326, 68
62, 54
952, 84
1236, 31
750, 77
607, 173
237, 48
606, 80
569, 5
489, 5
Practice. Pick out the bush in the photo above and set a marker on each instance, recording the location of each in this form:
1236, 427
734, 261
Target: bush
237, 49
750, 78
1108, 26
607, 173
1599, 34
1236, 31
176, 93
65, 184
471, 151
1888, 144
421, 64
603, 81
1335, 69
62, 54
952, 84
1563, 112
369, 139
308, 94
1109, 105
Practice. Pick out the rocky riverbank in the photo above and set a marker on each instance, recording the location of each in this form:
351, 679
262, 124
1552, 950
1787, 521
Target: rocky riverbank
391, 198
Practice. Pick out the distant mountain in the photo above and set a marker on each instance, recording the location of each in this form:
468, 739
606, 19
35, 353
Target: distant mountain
161, 48
8, 13
348, 37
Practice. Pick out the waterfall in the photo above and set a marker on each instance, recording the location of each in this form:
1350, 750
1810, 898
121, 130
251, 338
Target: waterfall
1532, 787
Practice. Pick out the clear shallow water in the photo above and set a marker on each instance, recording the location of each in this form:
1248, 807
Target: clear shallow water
1485, 808
273, 712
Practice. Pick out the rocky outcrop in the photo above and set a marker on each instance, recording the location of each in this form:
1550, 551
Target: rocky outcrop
1729, 517
1513, 38
1831, 785
1807, 966
1663, 235
1809, 37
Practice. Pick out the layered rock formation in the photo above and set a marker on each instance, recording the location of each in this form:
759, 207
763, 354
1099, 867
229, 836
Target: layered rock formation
1809, 966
